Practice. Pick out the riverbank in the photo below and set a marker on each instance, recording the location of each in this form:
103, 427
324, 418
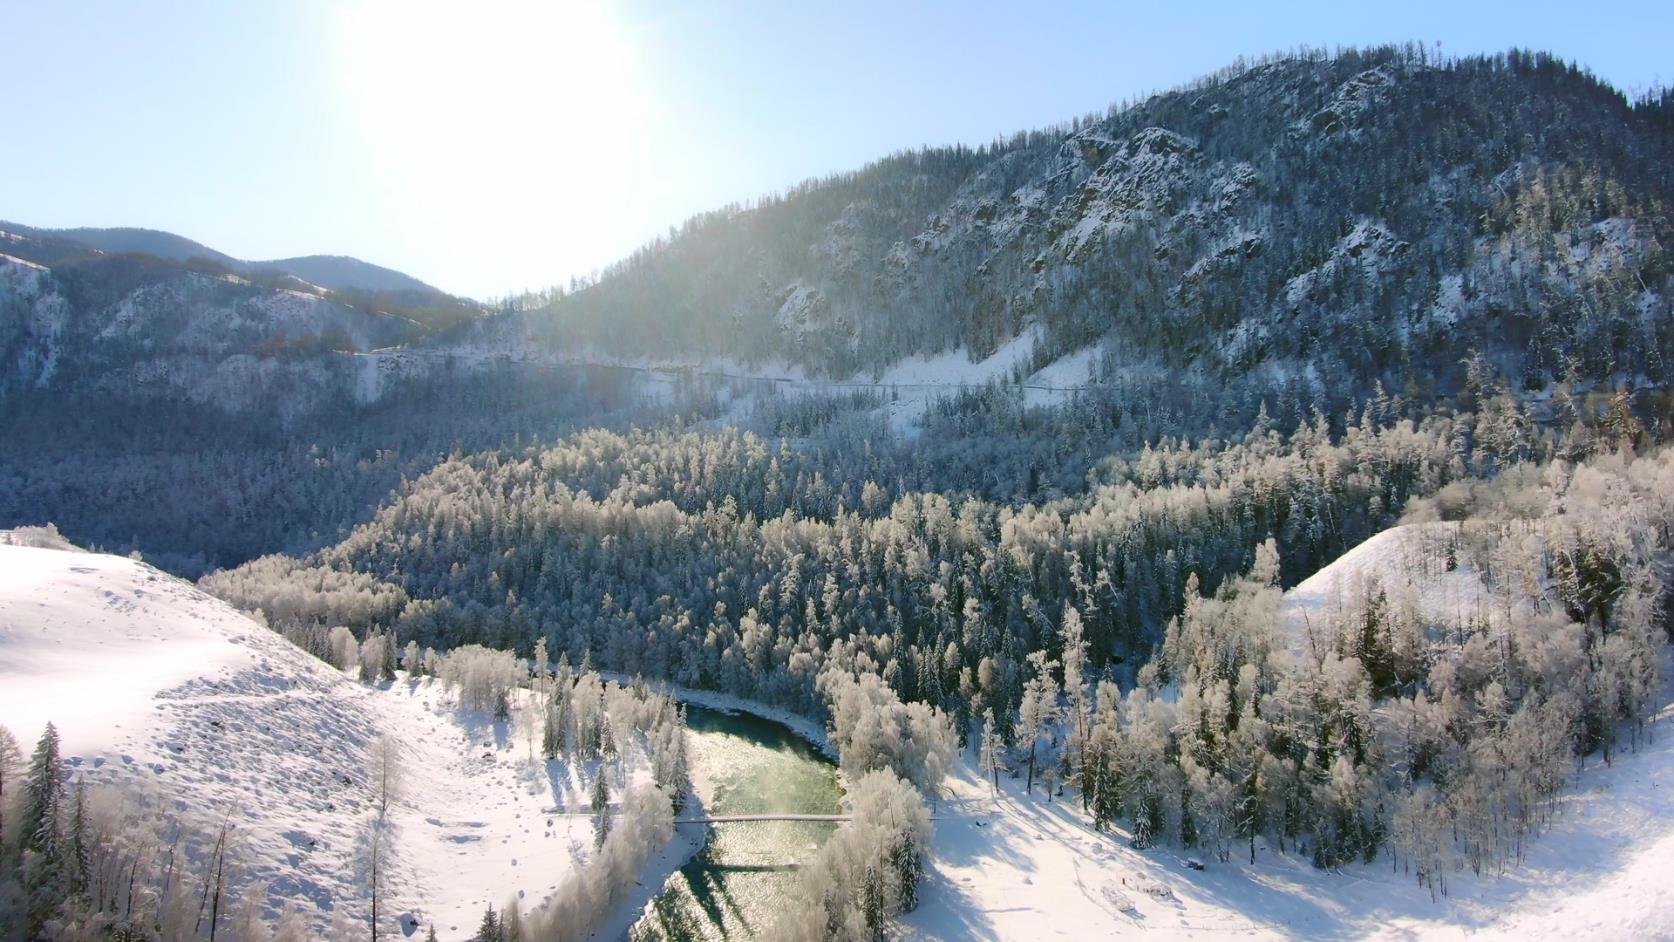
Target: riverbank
745, 765
688, 841
812, 731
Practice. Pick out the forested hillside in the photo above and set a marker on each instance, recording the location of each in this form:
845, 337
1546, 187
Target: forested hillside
1363, 216
1305, 232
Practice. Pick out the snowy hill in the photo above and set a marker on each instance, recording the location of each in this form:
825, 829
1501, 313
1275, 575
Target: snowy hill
1416, 564
1015, 867
343, 273
170, 693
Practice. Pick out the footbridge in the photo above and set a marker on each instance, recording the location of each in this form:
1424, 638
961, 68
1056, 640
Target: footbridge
739, 818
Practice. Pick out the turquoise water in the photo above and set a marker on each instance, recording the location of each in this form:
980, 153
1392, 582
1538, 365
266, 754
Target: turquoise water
732, 889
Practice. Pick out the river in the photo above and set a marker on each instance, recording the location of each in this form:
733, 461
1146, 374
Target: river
732, 889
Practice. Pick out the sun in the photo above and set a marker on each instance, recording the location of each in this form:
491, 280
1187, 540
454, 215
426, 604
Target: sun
499, 114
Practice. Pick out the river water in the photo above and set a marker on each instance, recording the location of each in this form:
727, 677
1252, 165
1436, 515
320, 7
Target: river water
732, 889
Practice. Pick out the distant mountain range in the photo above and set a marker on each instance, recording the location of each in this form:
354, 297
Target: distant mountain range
334, 272
137, 314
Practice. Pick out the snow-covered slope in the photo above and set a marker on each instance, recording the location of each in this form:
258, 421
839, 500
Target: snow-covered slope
156, 686
1013, 867
1421, 564
151, 682
1019, 868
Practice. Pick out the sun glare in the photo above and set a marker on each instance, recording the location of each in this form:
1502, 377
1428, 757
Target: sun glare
523, 109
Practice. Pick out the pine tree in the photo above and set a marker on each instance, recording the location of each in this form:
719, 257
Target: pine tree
908, 867
680, 781
872, 904
552, 737
607, 737
386, 670
601, 807
11, 767
45, 879
489, 930
42, 796
79, 861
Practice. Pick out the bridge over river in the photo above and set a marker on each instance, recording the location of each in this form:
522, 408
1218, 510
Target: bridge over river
731, 818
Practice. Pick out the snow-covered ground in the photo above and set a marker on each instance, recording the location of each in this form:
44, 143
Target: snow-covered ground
155, 684
1409, 562
1019, 868
1012, 867
151, 681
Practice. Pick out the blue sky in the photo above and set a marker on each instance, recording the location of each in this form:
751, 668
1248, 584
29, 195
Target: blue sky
493, 146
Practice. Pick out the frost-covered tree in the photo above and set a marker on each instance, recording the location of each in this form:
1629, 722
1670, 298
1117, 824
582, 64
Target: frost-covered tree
483, 677
867, 872
992, 750
344, 649
511, 921
385, 772
11, 785
412, 660
873, 729
578, 906
292, 927
1074, 648
1038, 710
599, 802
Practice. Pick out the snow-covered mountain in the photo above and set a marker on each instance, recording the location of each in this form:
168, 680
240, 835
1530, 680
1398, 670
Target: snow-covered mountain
1295, 231
1365, 217
132, 329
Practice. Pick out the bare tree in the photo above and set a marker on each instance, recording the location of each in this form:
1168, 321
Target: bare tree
215, 879
377, 875
385, 772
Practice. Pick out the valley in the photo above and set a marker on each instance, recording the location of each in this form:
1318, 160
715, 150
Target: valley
1243, 511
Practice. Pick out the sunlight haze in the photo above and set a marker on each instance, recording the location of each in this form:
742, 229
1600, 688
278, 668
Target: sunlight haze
569, 134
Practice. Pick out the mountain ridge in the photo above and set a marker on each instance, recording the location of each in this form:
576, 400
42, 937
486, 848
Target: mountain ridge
1214, 226
333, 272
